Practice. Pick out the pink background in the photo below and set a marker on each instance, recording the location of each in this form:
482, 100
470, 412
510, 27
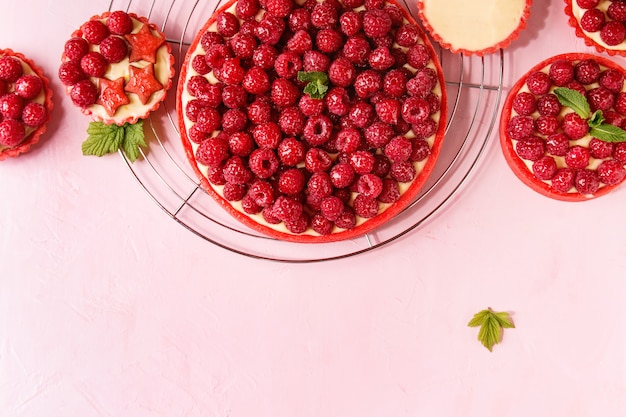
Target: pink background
110, 308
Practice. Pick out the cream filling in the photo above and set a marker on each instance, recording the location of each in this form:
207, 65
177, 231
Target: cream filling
578, 13
474, 25
258, 217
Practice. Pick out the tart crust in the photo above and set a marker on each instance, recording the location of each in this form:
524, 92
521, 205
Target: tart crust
574, 13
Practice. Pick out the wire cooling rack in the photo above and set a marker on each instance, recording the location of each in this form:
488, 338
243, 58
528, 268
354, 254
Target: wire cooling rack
474, 86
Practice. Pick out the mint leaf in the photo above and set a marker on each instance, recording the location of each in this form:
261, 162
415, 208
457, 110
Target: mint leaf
317, 83
574, 100
104, 138
608, 133
491, 324
596, 119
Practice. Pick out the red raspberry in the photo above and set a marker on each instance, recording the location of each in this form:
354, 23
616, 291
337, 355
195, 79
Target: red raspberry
234, 192
586, 181
34, 114
311, 106
425, 129
317, 160
269, 216
240, 143
347, 219
592, 20
600, 98
267, 135
587, 71
210, 38
246, 9
291, 121
10, 68
75, 48
520, 127
420, 151
538, 83
348, 140
243, 45
256, 81
249, 205
614, 118
367, 83
279, 8
315, 61
28, 86
270, 29
337, 101
84, 93
217, 54
415, 110
210, 94
291, 151
318, 130
399, 148
199, 64
422, 83
320, 185
382, 165
341, 72
577, 86
385, 41
288, 64
530, 148
389, 111
547, 125
418, 56
300, 225
561, 72
613, 32
328, 40
262, 193
234, 96
264, 56
378, 134
284, 93
300, 42
215, 175
361, 114
407, 35
612, 79
196, 135
321, 224
342, 175
577, 157
259, 111
574, 126
587, 4
525, 103
563, 180
227, 24
611, 172
299, 19
397, 17
403, 171
236, 172
120, 23
95, 31
549, 105
395, 82
620, 103
376, 23
369, 185
617, 11
544, 168
350, 23
212, 152
557, 144
94, 64
365, 207
357, 50
600, 149
208, 119
362, 162
324, 16
232, 71
381, 59
331, 208
390, 192
286, 208
12, 132
291, 181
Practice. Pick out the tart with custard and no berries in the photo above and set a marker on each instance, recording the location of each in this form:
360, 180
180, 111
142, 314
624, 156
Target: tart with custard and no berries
25, 103
562, 127
315, 121
475, 27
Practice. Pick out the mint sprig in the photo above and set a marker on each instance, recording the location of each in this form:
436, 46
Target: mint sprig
316, 83
105, 138
597, 128
491, 325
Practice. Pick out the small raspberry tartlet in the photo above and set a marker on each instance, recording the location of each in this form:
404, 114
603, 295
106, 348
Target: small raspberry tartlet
477, 27
562, 127
315, 121
600, 23
25, 103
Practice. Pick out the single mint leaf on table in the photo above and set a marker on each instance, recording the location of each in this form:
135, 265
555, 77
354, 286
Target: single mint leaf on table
574, 100
104, 138
491, 324
317, 83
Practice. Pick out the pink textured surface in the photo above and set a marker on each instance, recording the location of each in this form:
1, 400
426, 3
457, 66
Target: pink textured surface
109, 308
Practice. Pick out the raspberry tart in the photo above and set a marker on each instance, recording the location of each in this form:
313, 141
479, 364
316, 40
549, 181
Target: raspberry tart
117, 67
314, 121
475, 27
25, 103
600, 23
562, 127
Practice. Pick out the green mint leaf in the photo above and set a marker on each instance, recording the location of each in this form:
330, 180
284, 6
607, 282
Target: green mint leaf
574, 100
104, 139
316, 83
313, 76
491, 324
608, 133
596, 119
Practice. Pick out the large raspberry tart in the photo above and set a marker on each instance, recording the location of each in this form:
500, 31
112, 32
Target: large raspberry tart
476, 27
600, 23
561, 128
117, 67
25, 103
312, 122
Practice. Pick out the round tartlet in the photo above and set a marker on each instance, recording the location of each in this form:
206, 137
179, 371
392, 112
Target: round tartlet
41, 98
596, 18
310, 213
129, 80
548, 145
474, 27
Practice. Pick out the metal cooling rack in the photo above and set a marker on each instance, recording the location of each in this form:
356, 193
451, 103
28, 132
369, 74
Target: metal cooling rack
474, 86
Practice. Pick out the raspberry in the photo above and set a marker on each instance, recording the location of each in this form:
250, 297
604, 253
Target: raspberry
300, 42
525, 103
342, 175
398, 149
120, 23
94, 64
563, 180
587, 71
299, 19
320, 184
420, 151
28, 86
75, 48
612, 79
388, 110
208, 119
347, 219
291, 151
328, 40
365, 207
520, 127
34, 114
407, 35
264, 56
291, 181
369, 185
424, 129
234, 96
196, 135
561, 72
337, 101
217, 54
362, 162
538, 83
318, 130
284, 93
381, 59
84, 93
291, 121
557, 144
348, 140
361, 114
212, 152
357, 50
243, 45
267, 135
262, 193
341, 72
396, 15
227, 24
385, 41
245, 9
234, 192
530, 148
378, 134
577, 157
574, 126
288, 64
592, 20
95, 31
269, 216
199, 64
390, 192
600, 98
611, 172
620, 103
232, 71
547, 125
577, 86
422, 83
259, 111
209, 39
544, 168
549, 105
376, 23
256, 81
298, 225
587, 4
279, 8
315, 61
613, 32
350, 23
286, 208
395, 82
331, 207
600, 149
403, 171
235, 171
324, 16
417, 56
415, 110
321, 224
317, 160
11, 132
311, 106
367, 83
586, 181
10, 68
270, 29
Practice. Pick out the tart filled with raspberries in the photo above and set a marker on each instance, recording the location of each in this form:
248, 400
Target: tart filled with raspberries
562, 127
315, 121
600, 23
25, 103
